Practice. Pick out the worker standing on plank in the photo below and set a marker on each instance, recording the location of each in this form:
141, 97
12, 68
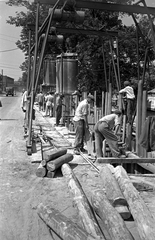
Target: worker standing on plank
81, 123
107, 128
130, 100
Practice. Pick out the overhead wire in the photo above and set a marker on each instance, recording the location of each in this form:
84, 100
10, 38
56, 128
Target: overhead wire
9, 50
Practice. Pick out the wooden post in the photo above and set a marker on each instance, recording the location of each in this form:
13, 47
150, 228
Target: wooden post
81, 202
111, 218
109, 99
139, 116
144, 104
61, 225
103, 106
140, 212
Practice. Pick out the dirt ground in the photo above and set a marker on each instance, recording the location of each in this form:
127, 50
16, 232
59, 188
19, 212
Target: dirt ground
21, 191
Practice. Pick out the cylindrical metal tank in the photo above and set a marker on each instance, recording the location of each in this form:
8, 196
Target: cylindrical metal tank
66, 73
49, 72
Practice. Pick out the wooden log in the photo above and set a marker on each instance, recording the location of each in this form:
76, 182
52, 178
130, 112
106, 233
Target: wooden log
86, 214
50, 155
123, 211
111, 187
58, 162
43, 162
146, 164
61, 225
41, 171
129, 159
113, 221
113, 191
144, 184
140, 212
50, 174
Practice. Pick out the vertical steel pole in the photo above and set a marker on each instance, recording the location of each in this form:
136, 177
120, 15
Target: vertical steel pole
29, 142
29, 65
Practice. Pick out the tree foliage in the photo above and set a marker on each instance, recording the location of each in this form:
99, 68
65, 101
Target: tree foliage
92, 49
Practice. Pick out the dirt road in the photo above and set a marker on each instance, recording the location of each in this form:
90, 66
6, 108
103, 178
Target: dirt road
20, 190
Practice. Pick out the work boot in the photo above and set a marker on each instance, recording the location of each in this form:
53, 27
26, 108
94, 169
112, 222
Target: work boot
76, 152
83, 150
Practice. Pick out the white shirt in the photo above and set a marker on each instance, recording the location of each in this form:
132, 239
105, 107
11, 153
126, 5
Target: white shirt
111, 119
81, 111
129, 92
24, 100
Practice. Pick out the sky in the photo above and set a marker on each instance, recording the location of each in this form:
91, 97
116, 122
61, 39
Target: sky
11, 57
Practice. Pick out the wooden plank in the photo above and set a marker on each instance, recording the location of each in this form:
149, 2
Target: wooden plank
140, 212
125, 160
61, 225
113, 221
86, 214
58, 162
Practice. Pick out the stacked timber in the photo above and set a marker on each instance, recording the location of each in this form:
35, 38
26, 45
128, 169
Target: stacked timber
53, 159
85, 212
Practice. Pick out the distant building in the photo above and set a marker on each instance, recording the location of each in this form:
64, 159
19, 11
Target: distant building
7, 82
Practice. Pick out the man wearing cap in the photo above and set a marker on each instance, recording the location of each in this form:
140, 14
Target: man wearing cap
130, 97
104, 130
81, 123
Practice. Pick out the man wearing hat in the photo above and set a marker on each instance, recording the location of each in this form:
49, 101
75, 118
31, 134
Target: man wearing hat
107, 128
81, 123
130, 100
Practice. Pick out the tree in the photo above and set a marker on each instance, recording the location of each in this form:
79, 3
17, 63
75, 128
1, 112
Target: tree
89, 48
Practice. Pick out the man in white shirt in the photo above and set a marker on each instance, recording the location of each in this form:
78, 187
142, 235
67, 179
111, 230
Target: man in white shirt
104, 130
81, 123
130, 98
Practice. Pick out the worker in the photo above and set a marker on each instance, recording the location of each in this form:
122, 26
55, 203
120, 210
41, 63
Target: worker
130, 100
24, 109
40, 99
49, 104
58, 108
106, 129
81, 123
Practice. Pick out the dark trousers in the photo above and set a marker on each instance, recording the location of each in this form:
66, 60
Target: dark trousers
58, 114
79, 134
130, 109
102, 132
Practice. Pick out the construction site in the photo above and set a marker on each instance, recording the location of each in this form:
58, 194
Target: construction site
107, 198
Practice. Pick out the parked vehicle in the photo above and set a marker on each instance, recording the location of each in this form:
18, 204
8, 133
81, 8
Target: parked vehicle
9, 91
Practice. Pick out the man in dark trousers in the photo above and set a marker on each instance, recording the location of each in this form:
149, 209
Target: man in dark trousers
81, 123
107, 128
58, 108
40, 98
130, 100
